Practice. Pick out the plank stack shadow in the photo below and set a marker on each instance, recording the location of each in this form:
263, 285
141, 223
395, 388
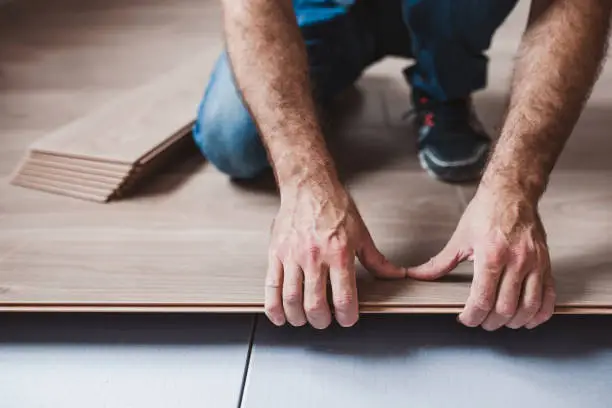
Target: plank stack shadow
105, 154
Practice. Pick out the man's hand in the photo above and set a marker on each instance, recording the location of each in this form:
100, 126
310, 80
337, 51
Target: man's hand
513, 284
558, 62
315, 237
318, 230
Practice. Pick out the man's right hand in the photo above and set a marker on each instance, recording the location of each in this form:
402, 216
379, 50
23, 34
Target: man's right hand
315, 237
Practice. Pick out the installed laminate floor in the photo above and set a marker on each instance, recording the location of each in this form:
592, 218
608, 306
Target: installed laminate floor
190, 239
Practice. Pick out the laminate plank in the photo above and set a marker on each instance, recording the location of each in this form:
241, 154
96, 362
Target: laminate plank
74, 171
8, 245
431, 361
77, 179
243, 308
122, 360
188, 255
181, 134
131, 127
61, 190
90, 163
44, 110
191, 240
64, 184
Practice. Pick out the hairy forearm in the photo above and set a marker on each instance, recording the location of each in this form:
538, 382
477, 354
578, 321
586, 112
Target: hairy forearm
558, 62
269, 61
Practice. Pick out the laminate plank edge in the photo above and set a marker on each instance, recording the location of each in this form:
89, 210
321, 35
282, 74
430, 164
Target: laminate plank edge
27, 183
93, 308
80, 170
72, 178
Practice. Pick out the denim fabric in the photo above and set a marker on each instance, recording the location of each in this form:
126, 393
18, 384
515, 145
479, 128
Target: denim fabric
447, 39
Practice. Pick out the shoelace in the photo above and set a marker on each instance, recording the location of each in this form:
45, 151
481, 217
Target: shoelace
455, 114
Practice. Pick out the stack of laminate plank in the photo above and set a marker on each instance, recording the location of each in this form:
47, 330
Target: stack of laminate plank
104, 154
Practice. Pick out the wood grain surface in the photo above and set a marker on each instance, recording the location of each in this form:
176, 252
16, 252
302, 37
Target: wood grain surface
131, 127
191, 240
158, 129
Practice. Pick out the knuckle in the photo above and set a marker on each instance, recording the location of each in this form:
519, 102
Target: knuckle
532, 305
310, 252
432, 263
292, 297
273, 254
496, 256
273, 282
315, 305
483, 302
523, 257
344, 300
505, 309
338, 246
493, 269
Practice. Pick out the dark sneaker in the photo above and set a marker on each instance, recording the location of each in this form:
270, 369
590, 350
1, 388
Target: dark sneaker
452, 144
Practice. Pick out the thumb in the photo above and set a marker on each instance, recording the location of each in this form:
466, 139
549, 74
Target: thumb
440, 265
377, 264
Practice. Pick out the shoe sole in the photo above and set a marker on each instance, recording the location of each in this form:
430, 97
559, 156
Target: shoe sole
469, 172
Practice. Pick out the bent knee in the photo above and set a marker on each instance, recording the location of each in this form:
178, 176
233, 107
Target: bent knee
224, 130
234, 150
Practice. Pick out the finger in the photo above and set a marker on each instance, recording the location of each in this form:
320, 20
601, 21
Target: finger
273, 292
531, 301
344, 294
377, 264
440, 265
293, 291
508, 297
487, 272
315, 297
548, 304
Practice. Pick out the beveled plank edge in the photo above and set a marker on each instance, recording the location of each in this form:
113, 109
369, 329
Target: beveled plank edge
92, 161
75, 179
227, 308
18, 181
64, 185
181, 133
67, 165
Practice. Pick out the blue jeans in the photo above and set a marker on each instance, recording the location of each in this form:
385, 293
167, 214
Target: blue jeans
446, 38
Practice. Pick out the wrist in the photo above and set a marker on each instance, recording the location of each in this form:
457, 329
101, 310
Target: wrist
305, 167
516, 169
508, 184
308, 174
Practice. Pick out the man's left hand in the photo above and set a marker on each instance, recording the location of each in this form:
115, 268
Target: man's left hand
512, 285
